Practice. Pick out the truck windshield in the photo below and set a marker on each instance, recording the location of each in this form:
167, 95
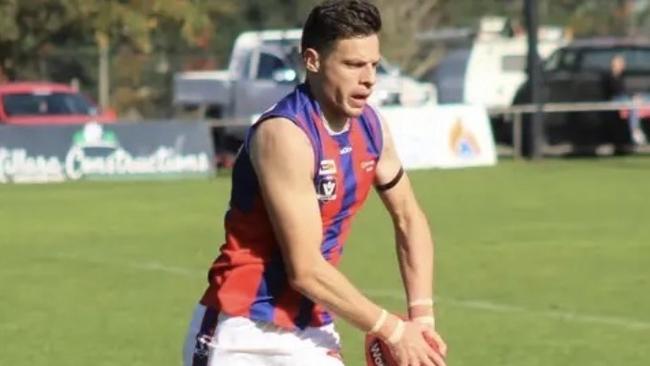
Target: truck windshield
26, 104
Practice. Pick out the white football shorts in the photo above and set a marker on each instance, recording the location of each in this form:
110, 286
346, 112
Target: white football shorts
217, 339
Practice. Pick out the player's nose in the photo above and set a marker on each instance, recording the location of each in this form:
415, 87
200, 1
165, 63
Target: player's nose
369, 76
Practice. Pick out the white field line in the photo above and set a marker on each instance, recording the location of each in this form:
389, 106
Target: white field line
397, 295
507, 308
138, 266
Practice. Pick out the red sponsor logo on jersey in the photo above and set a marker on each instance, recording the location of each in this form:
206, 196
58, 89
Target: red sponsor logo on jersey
368, 165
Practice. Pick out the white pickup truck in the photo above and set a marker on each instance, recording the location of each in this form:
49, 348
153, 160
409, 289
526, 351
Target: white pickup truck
264, 67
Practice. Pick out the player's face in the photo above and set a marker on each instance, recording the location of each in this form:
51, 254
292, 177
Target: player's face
348, 73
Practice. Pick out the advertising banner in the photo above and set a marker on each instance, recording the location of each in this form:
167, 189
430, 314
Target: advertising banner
148, 150
446, 136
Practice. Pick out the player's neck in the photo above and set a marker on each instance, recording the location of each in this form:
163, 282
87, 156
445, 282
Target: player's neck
334, 122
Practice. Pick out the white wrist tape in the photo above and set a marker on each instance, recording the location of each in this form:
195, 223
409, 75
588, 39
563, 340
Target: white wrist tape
378, 324
398, 332
421, 302
426, 320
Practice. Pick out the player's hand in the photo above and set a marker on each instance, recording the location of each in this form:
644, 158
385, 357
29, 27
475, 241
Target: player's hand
413, 348
432, 337
435, 340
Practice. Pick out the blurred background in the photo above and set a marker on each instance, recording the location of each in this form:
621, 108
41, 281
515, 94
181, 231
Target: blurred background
135, 109
132, 57
146, 42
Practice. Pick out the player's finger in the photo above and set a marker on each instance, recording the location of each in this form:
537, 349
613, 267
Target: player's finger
424, 355
403, 358
442, 346
433, 356
437, 359
418, 361
436, 342
425, 360
409, 358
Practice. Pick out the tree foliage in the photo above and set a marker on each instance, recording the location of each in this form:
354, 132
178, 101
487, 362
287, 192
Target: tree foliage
27, 27
60, 39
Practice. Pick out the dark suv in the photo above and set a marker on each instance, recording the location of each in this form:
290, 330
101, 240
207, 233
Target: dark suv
579, 72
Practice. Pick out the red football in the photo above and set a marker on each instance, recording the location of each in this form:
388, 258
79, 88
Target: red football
378, 353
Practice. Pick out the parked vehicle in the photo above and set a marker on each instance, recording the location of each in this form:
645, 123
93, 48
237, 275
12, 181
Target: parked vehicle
264, 67
577, 73
492, 66
44, 103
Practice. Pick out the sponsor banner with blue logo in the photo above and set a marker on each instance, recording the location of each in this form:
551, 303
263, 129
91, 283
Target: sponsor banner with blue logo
148, 150
448, 136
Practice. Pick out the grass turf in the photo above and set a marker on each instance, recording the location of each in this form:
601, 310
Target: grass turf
537, 264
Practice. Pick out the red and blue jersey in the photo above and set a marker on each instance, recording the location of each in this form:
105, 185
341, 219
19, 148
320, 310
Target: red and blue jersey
248, 278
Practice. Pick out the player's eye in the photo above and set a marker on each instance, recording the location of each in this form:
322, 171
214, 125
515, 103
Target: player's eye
355, 64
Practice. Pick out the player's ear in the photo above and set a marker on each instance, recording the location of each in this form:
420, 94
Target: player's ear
311, 57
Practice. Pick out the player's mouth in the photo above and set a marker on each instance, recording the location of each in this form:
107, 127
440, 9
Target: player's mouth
360, 99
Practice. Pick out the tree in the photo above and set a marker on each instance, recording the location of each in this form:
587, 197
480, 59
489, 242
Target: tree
399, 42
38, 33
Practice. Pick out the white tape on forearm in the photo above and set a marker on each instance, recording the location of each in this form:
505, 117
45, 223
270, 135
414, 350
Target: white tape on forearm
398, 332
378, 324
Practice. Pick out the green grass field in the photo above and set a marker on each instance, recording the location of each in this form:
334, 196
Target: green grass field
537, 264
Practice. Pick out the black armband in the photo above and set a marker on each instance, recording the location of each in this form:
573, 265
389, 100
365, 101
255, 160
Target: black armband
392, 183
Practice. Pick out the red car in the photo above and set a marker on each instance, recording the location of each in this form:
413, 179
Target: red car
43, 103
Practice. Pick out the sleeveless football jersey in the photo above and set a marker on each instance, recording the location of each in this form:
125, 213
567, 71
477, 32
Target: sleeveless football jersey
248, 278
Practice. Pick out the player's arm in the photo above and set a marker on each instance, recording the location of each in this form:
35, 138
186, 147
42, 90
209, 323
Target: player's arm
412, 234
284, 162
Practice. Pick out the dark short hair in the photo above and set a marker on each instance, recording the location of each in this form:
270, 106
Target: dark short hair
333, 20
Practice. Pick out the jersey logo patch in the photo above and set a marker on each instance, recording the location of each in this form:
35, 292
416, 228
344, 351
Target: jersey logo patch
368, 165
326, 188
327, 167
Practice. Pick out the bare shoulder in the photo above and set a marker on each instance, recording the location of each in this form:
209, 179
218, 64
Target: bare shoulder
279, 144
